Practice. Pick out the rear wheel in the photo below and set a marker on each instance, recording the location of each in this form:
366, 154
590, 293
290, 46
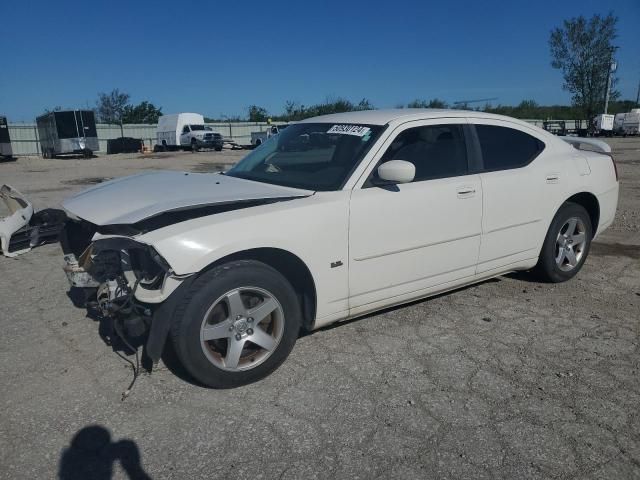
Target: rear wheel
566, 245
237, 324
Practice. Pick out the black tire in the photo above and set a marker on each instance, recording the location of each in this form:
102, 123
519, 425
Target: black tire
194, 146
218, 149
547, 268
212, 285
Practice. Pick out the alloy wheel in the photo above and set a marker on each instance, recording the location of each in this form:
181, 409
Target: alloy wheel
570, 244
242, 328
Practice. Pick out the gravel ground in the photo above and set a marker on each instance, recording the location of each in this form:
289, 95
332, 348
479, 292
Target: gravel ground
506, 379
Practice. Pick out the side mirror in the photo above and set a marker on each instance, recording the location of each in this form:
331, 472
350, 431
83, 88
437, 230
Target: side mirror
397, 171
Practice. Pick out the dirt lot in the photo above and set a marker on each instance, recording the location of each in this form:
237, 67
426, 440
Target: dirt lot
506, 379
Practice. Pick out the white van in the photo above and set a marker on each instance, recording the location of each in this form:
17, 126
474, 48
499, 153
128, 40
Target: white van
187, 131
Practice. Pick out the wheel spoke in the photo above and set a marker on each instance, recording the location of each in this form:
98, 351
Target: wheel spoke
214, 332
561, 256
263, 310
572, 227
234, 350
571, 257
578, 238
236, 307
262, 339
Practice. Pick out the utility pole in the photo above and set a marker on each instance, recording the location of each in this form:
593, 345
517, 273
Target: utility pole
612, 68
638, 96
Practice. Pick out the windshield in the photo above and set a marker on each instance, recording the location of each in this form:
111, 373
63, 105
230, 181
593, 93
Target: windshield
313, 156
197, 127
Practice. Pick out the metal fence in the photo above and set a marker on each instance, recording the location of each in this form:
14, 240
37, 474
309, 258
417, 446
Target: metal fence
24, 136
25, 140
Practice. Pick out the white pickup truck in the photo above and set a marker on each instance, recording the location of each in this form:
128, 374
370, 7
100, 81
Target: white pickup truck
186, 131
258, 138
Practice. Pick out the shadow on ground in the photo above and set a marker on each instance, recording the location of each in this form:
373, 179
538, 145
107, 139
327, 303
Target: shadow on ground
93, 454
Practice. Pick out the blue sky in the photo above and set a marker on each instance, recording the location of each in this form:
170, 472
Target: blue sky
218, 58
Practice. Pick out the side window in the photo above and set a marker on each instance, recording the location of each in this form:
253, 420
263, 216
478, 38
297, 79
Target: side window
437, 151
504, 148
185, 129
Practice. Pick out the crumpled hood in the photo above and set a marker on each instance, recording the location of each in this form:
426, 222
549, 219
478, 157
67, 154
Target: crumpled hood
131, 199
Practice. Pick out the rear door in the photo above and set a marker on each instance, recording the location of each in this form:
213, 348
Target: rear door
406, 240
519, 188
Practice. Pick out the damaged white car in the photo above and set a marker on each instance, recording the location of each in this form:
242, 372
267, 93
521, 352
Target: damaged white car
335, 217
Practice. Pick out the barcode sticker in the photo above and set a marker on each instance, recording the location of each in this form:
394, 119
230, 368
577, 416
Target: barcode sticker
357, 130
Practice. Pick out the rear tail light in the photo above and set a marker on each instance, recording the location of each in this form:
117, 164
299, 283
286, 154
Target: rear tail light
615, 167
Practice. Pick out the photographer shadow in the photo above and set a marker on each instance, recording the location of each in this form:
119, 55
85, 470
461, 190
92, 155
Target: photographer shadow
92, 455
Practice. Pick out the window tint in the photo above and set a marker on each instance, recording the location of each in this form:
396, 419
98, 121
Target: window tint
437, 151
185, 129
504, 148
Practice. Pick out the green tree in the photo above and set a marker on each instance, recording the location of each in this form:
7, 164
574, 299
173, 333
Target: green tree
144, 112
583, 50
433, 103
258, 114
111, 106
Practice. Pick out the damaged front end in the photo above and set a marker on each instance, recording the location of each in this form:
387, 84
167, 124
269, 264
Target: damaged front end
125, 281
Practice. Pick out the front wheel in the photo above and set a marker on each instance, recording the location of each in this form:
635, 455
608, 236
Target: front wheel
566, 245
237, 324
194, 146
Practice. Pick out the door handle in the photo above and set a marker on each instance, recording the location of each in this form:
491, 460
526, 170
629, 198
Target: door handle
466, 192
553, 178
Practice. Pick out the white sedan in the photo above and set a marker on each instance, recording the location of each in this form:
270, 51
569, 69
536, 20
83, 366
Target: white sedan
336, 217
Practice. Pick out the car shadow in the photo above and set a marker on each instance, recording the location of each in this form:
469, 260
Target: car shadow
106, 329
525, 276
92, 454
172, 362
395, 308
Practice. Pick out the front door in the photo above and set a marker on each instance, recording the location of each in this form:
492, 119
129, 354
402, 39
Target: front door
408, 240
184, 136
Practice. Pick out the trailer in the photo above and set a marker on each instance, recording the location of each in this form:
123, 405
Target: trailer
5, 141
603, 125
65, 132
631, 125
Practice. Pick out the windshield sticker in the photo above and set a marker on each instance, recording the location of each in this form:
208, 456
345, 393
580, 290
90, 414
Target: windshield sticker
356, 130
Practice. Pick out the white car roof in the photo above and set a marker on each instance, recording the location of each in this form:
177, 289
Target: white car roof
383, 117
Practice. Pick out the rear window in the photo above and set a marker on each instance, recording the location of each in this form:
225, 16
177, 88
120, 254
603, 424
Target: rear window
504, 148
